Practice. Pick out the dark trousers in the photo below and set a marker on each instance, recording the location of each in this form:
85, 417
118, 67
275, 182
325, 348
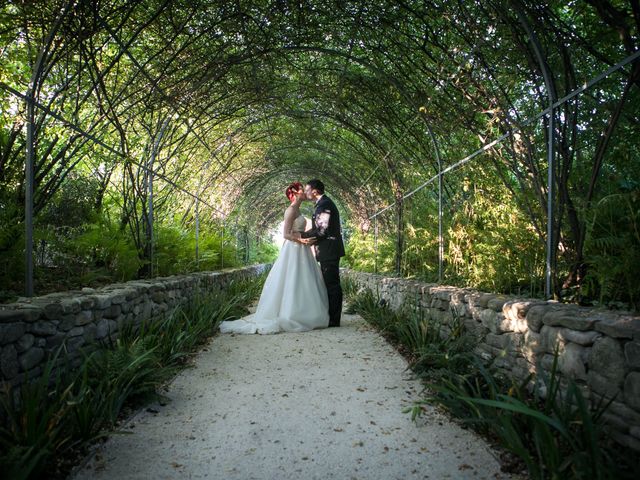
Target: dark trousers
331, 275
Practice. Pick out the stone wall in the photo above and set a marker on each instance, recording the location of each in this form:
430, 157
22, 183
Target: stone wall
31, 329
598, 349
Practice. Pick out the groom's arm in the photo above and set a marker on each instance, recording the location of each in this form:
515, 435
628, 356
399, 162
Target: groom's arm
321, 225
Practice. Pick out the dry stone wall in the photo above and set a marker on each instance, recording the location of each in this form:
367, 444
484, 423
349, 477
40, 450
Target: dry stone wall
31, 329
598, 349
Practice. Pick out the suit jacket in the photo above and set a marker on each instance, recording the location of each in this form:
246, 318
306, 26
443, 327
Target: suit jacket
326, 228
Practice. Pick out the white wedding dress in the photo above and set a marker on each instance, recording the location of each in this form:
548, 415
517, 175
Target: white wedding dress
294, 296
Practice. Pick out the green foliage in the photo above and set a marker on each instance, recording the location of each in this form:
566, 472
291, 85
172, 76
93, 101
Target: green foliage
489, 243
552, 430
430, 346
35, 429
549, 427
70, 406
106, 249
264, 253
613, 249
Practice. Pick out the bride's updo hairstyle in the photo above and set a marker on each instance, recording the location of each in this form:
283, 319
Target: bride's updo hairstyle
292, 189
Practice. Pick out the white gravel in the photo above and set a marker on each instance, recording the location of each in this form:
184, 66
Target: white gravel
314, 405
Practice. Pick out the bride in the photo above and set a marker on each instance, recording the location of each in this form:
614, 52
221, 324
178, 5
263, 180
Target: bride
294, 296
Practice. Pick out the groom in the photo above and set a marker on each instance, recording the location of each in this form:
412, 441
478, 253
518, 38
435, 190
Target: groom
325, 234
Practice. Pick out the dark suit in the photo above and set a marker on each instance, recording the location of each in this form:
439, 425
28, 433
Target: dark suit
329, 249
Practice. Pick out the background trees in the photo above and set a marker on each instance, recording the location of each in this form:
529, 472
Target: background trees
226, 103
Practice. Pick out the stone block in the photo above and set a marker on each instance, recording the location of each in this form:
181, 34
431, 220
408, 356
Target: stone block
581, 338
535, 314
130, 293
31, 313
30, 358
572, 361
43, 328
75, 343
84, 317
102, 301
113, 311
87, 303
532, 347
617, 325
632, 390
25, 342
616, 422
569, 317
75, 331
53, 310
619, 408
55, 341
484, 299
550, 339
10, 332
602, 385
15, 313
67, 323
9, 361
607, 359
632, 354
546, 362
10, 315
118, 298
102, 329
515, 314
488, 319
497, 303
624, 439
497, 341
90, 332
70, 305
113, 327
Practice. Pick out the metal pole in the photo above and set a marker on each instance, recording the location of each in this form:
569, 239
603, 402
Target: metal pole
237, 239
375, 244
551, 94
152, 158
150, 212
28, 195
550, 213
222, 248
29, 181
440, 238
197, 234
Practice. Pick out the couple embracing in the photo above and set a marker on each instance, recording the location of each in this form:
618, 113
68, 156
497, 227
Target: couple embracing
298, 295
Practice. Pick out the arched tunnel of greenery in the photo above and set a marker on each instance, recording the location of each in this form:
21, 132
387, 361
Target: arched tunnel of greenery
228, 102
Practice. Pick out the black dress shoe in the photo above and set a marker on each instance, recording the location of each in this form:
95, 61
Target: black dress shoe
334, 325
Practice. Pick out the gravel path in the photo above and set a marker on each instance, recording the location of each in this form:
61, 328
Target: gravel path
315, 405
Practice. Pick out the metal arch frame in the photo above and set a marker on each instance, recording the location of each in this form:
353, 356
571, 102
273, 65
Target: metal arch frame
31, 104
99, 142
30, 100
124, 48
547, 111
436, 149
551, 95
152, 158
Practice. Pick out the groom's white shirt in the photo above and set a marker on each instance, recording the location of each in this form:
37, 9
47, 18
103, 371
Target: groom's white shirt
319, 198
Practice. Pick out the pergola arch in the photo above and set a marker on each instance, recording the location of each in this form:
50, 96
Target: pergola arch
403, 83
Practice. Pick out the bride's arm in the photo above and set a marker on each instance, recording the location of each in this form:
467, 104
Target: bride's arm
288, 227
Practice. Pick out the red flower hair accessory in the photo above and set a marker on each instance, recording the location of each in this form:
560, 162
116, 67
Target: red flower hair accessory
292, 189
